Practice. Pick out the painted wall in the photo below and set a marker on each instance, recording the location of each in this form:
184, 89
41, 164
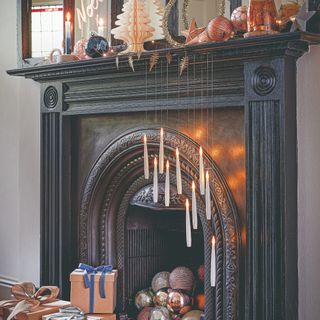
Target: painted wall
20, 182
19, 162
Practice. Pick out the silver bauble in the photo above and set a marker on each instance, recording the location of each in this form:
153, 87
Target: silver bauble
160, 313
179, 302
182, 278
144, 298
160, 298
193, 315
160, 281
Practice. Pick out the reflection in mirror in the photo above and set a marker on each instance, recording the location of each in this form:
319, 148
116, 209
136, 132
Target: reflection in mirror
46, 27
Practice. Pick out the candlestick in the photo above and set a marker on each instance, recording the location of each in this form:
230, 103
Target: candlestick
167, 187
178, 172
213, 263
146, 158
161, 153
201, 173
155, 181
188, 225
208, 198
68, 34
194, 207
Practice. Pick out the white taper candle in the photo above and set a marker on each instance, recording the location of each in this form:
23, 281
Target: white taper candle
155, 181
178, 172
188, 225
208, 197
201, 173
146, 158
194, 207
167, 187
161, 153
213, 263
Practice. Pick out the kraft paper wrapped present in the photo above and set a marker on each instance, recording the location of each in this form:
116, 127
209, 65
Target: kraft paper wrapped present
94, 290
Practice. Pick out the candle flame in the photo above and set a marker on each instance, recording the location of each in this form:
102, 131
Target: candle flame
101, 22
187, 203
155, 162
167, 164
193, 186
145, 138
177, 152
161, 132
68, 16
207, 175
213, 241
201, 151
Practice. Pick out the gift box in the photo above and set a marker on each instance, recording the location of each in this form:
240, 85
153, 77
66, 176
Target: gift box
101, 316
94, 290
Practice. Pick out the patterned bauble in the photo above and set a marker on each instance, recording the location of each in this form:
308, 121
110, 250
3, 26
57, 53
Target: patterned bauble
192, 315
160, 281
239, 19
97, 46
144, 314
220, 29
182, 278
144, 298
201, 273
160, 298
160, 313
179, 302
80, 49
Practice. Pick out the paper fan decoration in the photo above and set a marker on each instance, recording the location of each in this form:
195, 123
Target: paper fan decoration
155, 10
133, 26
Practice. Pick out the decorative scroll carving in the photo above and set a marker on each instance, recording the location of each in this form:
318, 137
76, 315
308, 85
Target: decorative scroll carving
263, 80
225, 219
50, 97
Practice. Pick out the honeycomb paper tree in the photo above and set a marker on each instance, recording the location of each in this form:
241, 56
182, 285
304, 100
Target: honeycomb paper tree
156, 12
133, 26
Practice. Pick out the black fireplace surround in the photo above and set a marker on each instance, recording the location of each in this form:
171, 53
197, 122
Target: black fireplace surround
237, 99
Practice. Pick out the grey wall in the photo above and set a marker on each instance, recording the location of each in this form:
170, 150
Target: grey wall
20, 182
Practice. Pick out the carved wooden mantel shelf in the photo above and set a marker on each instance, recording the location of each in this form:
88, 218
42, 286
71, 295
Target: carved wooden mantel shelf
256, 76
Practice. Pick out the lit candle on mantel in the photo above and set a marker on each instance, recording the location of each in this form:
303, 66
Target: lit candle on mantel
167, 187
101, 28
194, 207
201, 173
161, 153
68, 34
146, 158
155, 181
213, 263
208, 198
188, 225
178, 172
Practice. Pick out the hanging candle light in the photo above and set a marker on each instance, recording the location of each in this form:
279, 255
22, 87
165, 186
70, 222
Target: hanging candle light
146, 158
208, 198
213, 263
201, 173
178, 172
161, 153
188, 225
155, 180
194, 207
167, 187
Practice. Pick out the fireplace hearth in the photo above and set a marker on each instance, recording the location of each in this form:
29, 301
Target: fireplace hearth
238, 101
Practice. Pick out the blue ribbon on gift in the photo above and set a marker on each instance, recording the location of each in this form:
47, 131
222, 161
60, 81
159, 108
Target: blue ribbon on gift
89, 283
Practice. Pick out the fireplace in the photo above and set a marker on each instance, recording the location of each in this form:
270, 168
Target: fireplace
236, 100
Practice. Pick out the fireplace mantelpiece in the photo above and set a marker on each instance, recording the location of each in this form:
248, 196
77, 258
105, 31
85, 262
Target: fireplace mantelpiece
256, 76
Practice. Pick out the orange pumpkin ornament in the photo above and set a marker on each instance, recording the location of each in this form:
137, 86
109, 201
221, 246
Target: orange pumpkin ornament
220, 29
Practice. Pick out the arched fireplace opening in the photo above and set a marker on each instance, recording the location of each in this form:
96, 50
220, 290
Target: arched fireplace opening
112, 205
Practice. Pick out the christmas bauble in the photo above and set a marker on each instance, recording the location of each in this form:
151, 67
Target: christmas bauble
160, 313
160, 298
239, 19
181, 278
192, 315
179, 302
96, 46
144, 314
160, 281
200, 301
80, 49
201, 273
220, 29
144, 298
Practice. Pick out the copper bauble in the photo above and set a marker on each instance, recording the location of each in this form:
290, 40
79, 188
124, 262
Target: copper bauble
192, 315
144, 314
160, 313
200, 300
144, 298
160, 298
220, 29
160, 281
239, 18
179, 302
288, 10
181, 278
201, 273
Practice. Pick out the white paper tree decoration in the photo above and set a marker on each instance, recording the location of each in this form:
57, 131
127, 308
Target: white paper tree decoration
133, 26
155, 10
